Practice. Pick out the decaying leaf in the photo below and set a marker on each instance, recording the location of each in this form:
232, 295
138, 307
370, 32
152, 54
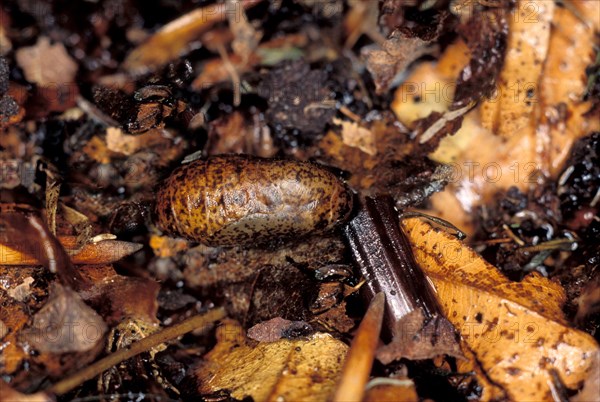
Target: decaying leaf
588, 301
81, 225
360, 19
125, 333
277, 328
65, 324
145, 344
47, 64
66, 333
126, 144
336, 318
246, 37
164, 246
437, 126
117, 297
563, 84
53, 70
515, 330
394, 169
235, 134
416, 338
511, 111
96, 149
180, 36
431, 87
22, 229
475, 373
5, 44
291, 370
502, 105
267, 53
589, 392
22, 291
485, 34
3, 329
357, 136
395, 56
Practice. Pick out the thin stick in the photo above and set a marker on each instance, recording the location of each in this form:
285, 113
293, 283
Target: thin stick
136, 348
233, 74
359, 361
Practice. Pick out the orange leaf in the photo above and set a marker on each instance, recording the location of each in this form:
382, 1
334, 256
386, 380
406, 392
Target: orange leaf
515, 330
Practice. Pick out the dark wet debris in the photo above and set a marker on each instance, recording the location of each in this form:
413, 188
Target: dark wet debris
298, 98
557, 228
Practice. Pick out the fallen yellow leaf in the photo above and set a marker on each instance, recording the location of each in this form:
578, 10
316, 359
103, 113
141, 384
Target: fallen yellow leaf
516, 331
285, 370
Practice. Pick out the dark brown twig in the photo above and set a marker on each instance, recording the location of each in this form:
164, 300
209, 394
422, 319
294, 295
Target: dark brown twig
383, 255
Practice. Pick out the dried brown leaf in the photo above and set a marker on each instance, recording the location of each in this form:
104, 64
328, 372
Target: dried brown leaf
361, 18
563, 84
392, 146
97, 150
394, 56
417, 339
47, 64
474, 372
65, 324
117, 297
511, 112
22, 228
234, 134
21, 291
3, 330
246, 37
125, 144
354, 135
431, 87
336, 319
5, 44
164, 246
486, 35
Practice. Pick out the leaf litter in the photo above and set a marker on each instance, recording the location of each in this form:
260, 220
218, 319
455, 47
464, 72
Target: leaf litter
99, 103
